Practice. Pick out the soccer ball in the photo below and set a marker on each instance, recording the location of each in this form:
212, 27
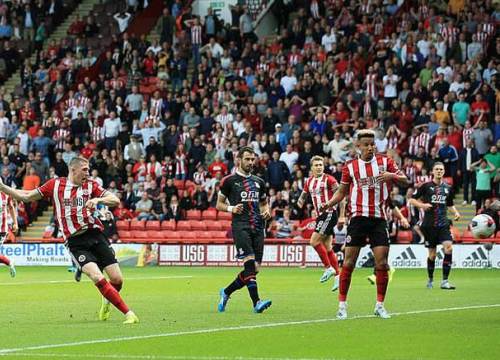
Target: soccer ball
482, 226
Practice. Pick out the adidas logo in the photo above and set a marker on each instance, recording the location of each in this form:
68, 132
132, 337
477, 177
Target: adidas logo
366, 261
477, 259
407, 258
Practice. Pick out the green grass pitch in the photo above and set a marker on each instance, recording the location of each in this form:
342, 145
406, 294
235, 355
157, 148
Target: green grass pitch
45, 315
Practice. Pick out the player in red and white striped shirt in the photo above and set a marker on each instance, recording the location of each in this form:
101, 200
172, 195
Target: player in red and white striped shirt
366, 181
7, 206
75, 199
321, 187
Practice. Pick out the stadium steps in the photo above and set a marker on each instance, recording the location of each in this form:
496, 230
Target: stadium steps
36, 230
83, 9
467, 211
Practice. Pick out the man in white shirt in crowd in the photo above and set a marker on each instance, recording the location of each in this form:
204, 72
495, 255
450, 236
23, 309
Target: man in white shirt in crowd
224, 117
288, 81
111, 128
214, 47
4, 125
337, 148
390, 81
289, 157
446, 70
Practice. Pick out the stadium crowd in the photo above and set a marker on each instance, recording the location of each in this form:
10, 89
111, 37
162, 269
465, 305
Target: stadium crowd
162, 121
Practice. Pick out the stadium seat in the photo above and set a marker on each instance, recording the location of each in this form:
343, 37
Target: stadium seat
198, 225
184, 225
467, 238
124, 234
193, 215
139, 234
213, 225
225, 224
222, 215
137, 225
122, 225
168, 225
153, 225
209, 214
218, 234
405, 237
155, 234
185, 234
203, 235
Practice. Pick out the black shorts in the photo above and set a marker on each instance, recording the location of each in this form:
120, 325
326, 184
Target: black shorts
363, 230
325, 223
91, 246
337, 248
248, 242
434, 236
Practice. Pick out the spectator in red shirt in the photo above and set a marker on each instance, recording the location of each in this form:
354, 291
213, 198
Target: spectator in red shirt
217, 166
480, 109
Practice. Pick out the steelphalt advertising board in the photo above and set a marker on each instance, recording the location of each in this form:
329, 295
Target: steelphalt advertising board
400, 256
57, 255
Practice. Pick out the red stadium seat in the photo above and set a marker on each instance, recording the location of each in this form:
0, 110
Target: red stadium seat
123, 234
209, 214
203, 235
123, 225
218, 234
155, 234
171, 235
137, 225
193, 215
222, 215
168, 225
139, 234
198, 225
467, 238
225, 224
185, 234
213, 225
153, 225
184, 225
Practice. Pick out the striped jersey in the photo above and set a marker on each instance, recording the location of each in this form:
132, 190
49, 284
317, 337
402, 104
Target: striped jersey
5, 203
69, 204
367, 194
321, 190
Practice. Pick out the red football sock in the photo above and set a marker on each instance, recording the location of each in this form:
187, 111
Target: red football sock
333, 261
4, 260
382, 281
323, 255
117, 286
110, 293
345, 282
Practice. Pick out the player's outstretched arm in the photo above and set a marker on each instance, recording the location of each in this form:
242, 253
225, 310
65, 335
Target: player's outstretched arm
109, 199
20, 195
302, 199
420, 204
339, 195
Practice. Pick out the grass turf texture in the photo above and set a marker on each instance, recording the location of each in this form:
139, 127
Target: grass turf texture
35, 312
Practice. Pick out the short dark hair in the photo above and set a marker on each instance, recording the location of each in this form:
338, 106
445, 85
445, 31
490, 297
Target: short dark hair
245, 149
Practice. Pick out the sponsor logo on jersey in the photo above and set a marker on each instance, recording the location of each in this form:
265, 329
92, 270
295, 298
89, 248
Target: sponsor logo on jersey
438, 199
249, 196
369, 182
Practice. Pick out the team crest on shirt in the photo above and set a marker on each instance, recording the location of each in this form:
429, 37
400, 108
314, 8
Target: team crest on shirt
86, 192
257, 185
348, 239
82, 258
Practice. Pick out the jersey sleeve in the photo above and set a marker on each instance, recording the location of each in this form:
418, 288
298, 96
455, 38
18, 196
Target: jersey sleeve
97, 190
346, 176
332, 182
392, 167
225, 187
450, 197
262, 190
47, 189
419, 192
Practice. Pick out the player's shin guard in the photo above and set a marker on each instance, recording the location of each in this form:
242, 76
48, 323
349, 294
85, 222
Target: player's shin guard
333, 261
4, 260
237, 284
250, 278
323, 254
110, 293
430, 268
382, 280
345, 282
447, 266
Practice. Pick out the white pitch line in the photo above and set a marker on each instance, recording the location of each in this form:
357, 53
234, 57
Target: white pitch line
233, 328
14, 283
157, 357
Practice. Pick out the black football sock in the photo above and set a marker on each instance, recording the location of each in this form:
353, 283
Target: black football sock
253, 291
446, 266
237, 284
250, 278
430, 268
